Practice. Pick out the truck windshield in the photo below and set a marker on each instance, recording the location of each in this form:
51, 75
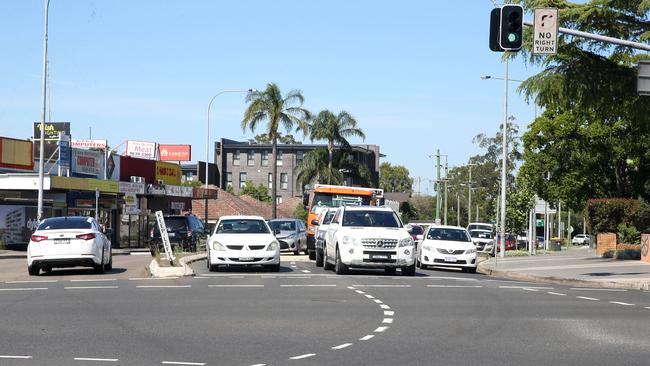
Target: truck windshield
337, 200
371, 219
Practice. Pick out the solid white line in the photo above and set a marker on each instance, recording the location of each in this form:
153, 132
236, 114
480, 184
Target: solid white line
369, 336
89, 287
96, 359
503, 281
235, 276
268, 277
384, 306
151, 278
359, 292
526, 287
293, 277
530, 289
183, 363
389, 313
378, 301
24, 289
307, 285
235, 285
95, 280
16, 357
381, 329
163, 286
43, 281
380, 286
302, 356
306, 271
587, 298
387, 321
597, 289
139, 253
455, 286
556, 293
621, 303
341, 346
369, 296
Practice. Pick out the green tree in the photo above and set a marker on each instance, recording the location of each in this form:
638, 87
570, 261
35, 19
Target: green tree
260, 192
335, 129
284, 139
316, 169
276, 110
395, 178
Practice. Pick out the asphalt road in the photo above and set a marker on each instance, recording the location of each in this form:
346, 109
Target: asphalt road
305, 316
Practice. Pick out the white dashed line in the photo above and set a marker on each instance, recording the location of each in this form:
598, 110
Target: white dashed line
90, 287
268, 277
381, 329
183, 363
235, 286
259, 364
359, 292
350, 287
16, 357
294, 267
597, 289
341, 346
647, 307
378, 301
454, 286
527, 287
556, 293
369, 296
387, 321
620, 303
163, 286
292, 263
306, 271
530, 289
95, 280
369, 336
307, 285
389, 313
292, 277
43, 281
302, 356
24, 289
380, 286
151, 278
237, 277
587, 298
96, 359
384, 306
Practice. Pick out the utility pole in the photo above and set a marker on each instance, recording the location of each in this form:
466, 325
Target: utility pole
458, 209
559, 220
437, 184
504, 158
446, 188
469, 194
41, 162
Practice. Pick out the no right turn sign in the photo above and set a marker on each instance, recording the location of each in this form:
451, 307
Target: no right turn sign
545, 31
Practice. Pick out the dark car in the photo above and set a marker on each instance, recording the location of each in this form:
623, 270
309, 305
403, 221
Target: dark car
185, 231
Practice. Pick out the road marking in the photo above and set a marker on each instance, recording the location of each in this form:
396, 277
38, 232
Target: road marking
294, 267
381, 329
597, 289
384, 306
455, 286
359, 292
306, 271
235, 285
139, 253
389, 313
380, 286
369, 296
503, 281
587, 298
307, 285
378, 301
350, 287
647, 307
621, 303
163, 286
16, 357
259, 364
239, 277
24, 289
268, 277
527, 287
306, 355
89, 287
292, 263
183, 363
151, 278
369, 336
387, 321
530, 289
96, 359
95, 280
43, 281
341, 346
555, 293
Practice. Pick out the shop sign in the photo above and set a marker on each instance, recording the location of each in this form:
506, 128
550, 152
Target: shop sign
84, 184
88, 144
174, 152
113, 167
131, 187
87, 162
141, 149
106, 186
16, 154
156, 190
64, 153
179, 191
52, 130
131, 206
168, 173
177, 205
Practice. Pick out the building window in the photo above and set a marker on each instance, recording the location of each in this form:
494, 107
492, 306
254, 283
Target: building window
278, 199
265, 158
278, 161
229, 179
284, 180
270, 180
300, 157
242, 179
235, 158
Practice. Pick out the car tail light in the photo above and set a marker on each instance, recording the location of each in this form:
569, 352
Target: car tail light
38, 238
86, 236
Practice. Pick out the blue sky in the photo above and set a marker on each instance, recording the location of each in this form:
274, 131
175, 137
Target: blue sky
409, 71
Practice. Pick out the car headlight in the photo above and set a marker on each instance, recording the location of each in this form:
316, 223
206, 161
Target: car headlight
406, 242
273, 246
428, 247
349, 240
470, 251
217, 246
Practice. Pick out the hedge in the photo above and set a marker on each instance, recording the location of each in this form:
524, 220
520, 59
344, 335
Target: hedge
605, 215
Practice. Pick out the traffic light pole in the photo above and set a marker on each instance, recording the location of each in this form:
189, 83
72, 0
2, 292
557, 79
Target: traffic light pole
504, 158
438, 184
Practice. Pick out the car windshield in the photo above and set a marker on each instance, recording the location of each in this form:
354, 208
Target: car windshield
487, 227
480, 234
242, 227
447, 234
57, 223
371, 218
175, 223
337, 200
283, 225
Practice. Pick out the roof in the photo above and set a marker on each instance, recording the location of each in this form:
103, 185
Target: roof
241, 217
232, 144
228, 204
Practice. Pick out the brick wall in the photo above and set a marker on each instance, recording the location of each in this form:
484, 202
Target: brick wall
605, 242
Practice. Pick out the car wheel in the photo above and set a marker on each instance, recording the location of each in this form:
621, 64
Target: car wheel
100, 268
312, 255
326, 266
153, 248
273, 267
319, 259
33, 270
390, 271
109, 266
296, 252
408, 271
340, 268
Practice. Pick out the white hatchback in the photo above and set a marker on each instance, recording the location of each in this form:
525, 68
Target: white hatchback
243, 241
447, 246
69, 241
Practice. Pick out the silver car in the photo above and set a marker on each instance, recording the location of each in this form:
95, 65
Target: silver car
292, 234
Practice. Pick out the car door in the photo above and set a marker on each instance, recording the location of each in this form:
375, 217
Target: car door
99, 234
330, 237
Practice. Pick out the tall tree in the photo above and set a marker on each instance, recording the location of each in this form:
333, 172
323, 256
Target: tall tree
395, 178
335, 129
284, 139
316, 168
276, 110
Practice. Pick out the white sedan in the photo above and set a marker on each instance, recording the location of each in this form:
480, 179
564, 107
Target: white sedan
68, 241
243, 241
448, 246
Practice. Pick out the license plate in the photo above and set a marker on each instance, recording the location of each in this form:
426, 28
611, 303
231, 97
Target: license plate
380, 256
245, 259
450, 259
61, 241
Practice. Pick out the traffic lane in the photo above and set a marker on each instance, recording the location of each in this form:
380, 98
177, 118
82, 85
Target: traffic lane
287, 266
124, 266
148, 325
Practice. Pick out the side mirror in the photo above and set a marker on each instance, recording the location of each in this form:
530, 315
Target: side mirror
276, 231
314, 222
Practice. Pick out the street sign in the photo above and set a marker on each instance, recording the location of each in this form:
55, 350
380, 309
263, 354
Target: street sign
164, 236
545, 31
539, 222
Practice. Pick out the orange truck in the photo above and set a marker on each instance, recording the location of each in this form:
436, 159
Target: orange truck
324, 196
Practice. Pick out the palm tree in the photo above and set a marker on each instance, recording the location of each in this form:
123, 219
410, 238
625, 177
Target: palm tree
335, 129
271, 107
314, 168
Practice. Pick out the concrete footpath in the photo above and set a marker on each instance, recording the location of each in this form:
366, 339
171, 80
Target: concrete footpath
574, 267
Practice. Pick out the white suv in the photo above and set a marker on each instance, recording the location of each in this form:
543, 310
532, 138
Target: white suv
368, 237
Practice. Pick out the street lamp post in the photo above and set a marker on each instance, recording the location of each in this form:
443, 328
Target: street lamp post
469, 194
41, 163
207, 146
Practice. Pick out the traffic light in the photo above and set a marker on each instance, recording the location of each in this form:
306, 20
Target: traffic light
511, 29
495, 24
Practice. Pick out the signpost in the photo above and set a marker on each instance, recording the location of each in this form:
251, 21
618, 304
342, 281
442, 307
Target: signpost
97, 205
165, 237
545, 31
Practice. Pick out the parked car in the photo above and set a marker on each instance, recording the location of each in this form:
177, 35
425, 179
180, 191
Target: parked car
480, 226
448, 246
540, 242
69, 241
292, 236
186, 231
417, 234
483, 240
243, 241
510, 242
581, 239
321, 224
